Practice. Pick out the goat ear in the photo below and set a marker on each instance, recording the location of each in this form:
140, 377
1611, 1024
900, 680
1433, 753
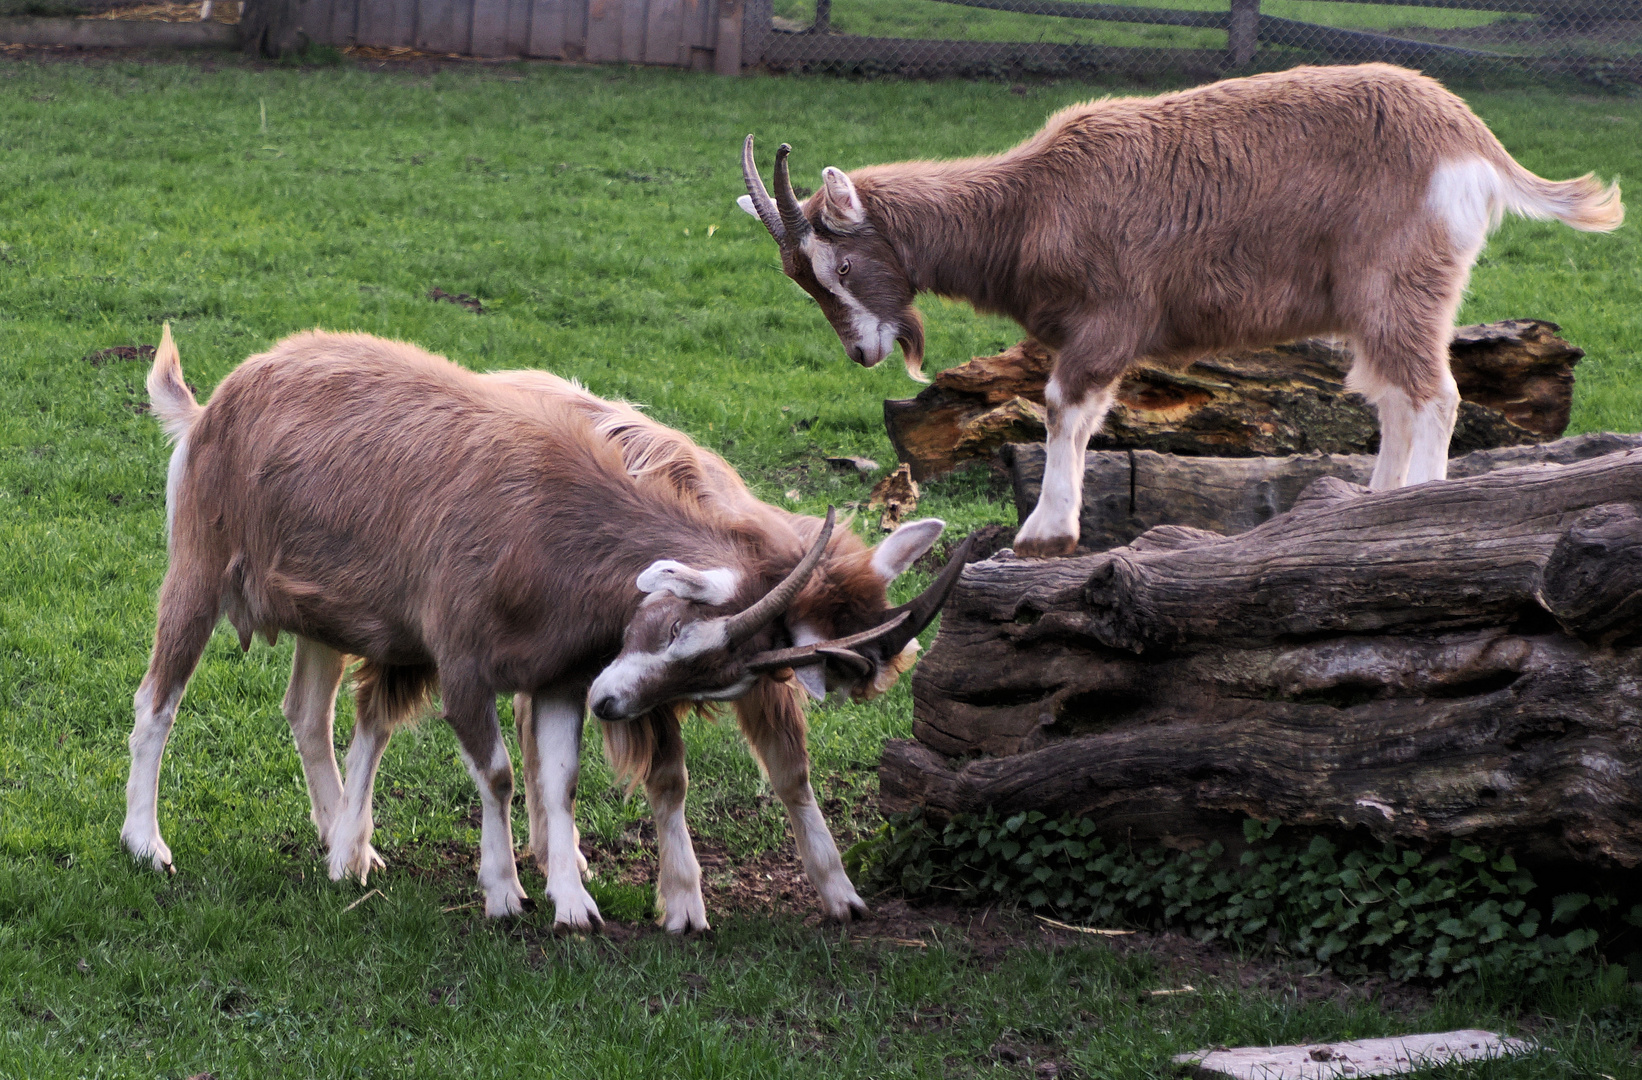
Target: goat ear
842, 208
813, 679
746, 203
901, 548
715, 587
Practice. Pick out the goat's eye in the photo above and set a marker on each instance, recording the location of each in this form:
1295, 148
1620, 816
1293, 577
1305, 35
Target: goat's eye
672, 635
843, 268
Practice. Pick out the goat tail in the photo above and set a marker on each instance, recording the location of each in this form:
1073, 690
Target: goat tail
173, 402
1583, 203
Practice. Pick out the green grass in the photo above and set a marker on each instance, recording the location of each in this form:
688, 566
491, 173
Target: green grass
591, 210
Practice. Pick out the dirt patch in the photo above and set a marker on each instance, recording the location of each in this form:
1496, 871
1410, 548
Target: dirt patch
472, 303
120, 352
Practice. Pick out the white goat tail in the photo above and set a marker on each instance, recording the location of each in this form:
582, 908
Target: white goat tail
1582, 203
173, 402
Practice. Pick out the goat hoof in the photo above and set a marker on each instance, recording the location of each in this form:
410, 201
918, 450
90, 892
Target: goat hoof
1049, 547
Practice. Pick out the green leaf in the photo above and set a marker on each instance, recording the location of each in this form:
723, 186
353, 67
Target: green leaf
1566, 906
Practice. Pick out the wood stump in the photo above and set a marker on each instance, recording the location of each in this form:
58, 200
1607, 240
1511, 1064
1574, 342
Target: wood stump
1455, 659
1515, 378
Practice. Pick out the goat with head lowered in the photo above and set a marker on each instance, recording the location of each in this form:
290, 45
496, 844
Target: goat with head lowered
504, 533
1331, 200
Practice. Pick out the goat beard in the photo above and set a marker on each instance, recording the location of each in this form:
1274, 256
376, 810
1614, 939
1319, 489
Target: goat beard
911, 340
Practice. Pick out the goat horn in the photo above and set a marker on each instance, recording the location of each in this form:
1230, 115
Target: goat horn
792, 215
922, 609
767, 213
741, 626
839, 649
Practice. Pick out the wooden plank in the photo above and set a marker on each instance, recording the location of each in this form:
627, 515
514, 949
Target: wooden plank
664, 32
634, 15
604, 30
432, 25
727, 54
546, 29
516, 41
489, 33
700, 26
344, 28
402, 28
757, 30
314, 20
444, 26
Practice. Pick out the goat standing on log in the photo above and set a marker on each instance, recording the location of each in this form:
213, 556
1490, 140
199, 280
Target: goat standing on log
1331, 200
377, 501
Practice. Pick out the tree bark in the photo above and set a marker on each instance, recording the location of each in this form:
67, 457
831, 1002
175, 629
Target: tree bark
1126, 492
1516, 379
1459, 659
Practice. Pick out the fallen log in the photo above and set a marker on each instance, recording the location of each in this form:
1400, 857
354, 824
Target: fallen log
1460, 659
1126, 492
1515, 378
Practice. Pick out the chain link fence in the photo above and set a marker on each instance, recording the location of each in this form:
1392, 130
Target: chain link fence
1497, 41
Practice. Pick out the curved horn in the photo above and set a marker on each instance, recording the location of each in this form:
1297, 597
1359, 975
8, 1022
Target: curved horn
741, 626
792, 215
767, 213
922, 609
840, 649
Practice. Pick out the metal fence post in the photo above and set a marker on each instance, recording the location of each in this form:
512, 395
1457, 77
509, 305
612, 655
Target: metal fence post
1242, 33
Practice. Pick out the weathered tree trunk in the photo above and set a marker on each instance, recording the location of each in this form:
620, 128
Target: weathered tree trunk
1516, 379
1460, 659
1126, 492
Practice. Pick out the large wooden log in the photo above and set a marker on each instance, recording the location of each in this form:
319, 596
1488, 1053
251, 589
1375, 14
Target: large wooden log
1126, 492
1516, 379
1460, 659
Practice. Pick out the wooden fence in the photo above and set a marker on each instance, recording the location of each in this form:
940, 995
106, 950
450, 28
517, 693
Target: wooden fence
730, 36
704, 35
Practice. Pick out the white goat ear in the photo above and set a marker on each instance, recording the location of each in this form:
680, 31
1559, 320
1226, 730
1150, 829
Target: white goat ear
746, 203
714, 587
813, 679
842, 208
901, 548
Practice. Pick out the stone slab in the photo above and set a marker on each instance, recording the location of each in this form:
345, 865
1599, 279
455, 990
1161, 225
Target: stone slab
1348, 1060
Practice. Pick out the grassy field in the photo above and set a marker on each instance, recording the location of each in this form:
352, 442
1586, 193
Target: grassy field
592, 212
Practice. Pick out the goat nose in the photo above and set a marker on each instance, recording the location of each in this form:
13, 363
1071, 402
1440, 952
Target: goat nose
605, 708
859, 355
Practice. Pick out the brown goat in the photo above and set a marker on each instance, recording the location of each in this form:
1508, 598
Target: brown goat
380, 502
1331, 200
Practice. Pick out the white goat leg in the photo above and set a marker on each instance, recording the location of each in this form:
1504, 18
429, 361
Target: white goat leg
1052, 527
498, 874
141, 831
206, 7
350, 836
558, 738
310, 709
535, 814
1433, 427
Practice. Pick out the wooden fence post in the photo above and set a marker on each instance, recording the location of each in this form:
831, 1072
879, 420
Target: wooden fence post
1242, 34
